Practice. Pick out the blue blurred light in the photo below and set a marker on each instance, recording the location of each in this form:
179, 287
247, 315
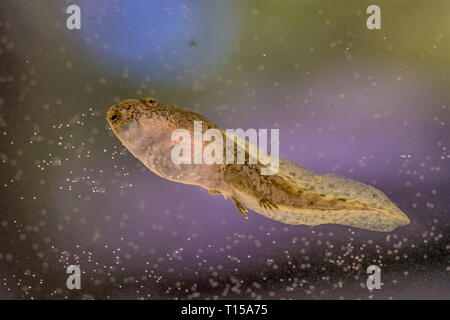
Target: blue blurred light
157, 39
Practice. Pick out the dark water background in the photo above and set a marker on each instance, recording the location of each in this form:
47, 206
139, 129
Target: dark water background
372, 105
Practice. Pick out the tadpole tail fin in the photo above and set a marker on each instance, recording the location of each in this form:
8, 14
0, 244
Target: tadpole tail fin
339, 200
368, 207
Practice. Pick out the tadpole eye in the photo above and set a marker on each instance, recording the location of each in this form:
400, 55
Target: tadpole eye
152, 102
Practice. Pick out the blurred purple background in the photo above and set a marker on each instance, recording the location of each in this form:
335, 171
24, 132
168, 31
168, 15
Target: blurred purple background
368, 105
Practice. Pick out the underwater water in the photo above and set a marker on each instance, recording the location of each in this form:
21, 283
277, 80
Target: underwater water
370, 105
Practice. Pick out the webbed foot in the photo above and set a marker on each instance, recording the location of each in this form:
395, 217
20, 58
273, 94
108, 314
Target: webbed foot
240, 208
267, 204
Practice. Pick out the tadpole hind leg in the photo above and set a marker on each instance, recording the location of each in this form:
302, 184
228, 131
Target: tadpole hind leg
240, 208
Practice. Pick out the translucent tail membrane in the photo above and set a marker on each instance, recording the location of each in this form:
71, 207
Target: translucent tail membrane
367, 207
